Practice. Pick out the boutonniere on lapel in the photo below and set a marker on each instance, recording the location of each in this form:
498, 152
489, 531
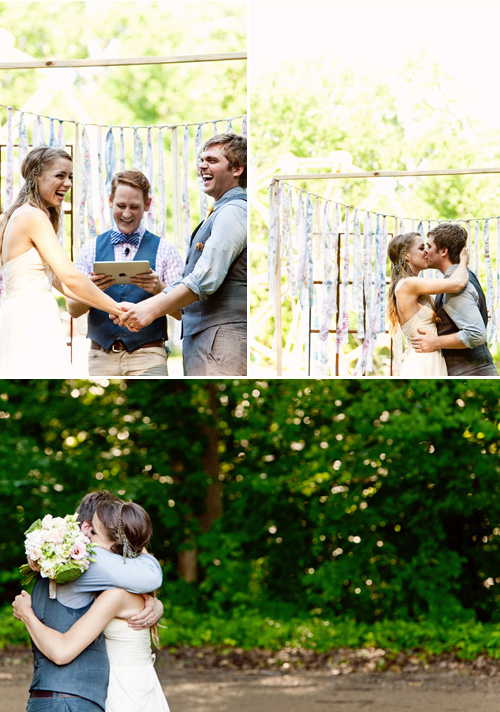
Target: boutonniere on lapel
199, 246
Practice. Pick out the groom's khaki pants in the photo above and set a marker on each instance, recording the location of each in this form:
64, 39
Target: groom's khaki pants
141, 362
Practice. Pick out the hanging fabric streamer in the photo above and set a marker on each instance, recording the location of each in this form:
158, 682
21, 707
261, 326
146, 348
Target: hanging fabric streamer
476, 247
490, 296
377, 270
357, 275
343, 318
87, 200
286, 242
176, 189
52, 134
23, 147
138, 151
309, 250
9, 176
300, 236
198, 146
100, 174
185, 188
149, 173
122, 151
272, 255
215, 128
329, 297
244, 126
365, 362
383, 273
110, 161
229, 128
78, 170
162, 209
497, 301
61, 141
38, 133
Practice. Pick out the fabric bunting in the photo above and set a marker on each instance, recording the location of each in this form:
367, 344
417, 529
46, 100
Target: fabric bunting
176, 189
86, 201
343, 317
162, 208
149, 173
329, 296
300, 234
79, 234
198, 145
122, 151
138, 151
110, 163
309, 250
38, 133
272, 255
489, 281
61, 141
185, 188
23, 147
100, 178
9, 177
286, 242
357, 276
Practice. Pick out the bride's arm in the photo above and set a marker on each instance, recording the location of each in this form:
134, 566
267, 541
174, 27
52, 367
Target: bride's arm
62, 648
41, 233
452, 285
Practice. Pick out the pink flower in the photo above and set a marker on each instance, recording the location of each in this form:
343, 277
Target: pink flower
79, 551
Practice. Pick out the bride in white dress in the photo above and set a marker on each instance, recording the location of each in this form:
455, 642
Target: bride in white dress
32, 342
410, 304
133, 683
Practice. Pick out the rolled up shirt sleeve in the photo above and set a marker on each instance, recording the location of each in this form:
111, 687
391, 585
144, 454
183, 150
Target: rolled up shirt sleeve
462, 308
227, 241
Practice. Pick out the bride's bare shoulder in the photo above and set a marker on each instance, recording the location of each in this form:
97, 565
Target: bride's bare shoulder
29, 215
407, 285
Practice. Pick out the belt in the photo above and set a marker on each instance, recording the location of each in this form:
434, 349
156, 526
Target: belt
118, 345
48, 693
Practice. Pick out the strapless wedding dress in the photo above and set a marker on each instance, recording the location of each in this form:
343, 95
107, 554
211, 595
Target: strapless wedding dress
133, 683
32, 342
420, 365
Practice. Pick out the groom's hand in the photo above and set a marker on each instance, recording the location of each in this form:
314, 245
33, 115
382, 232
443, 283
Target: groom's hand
125, 306
425, 343
150, 614
139, 316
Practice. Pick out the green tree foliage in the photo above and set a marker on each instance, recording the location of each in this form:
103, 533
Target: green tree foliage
370, 499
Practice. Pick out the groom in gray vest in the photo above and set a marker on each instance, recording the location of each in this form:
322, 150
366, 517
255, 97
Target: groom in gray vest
461, 318
81, 685
212, 293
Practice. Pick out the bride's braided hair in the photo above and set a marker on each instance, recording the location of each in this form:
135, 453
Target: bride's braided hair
35, 163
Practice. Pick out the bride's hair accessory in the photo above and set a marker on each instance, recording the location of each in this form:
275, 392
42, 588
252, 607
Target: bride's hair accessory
31, 183
128, 549
401, 261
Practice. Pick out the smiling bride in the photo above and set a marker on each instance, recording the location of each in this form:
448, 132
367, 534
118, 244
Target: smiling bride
32, 343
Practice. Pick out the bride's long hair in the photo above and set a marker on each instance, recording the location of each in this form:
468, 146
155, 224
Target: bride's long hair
397, 249
35, 163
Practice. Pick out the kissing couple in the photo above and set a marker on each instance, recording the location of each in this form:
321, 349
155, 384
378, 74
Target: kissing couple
92, 643
448, 336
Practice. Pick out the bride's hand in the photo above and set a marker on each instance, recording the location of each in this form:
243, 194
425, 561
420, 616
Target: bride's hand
21, 605
464, 256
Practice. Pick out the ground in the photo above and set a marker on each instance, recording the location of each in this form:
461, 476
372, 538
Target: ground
206, 681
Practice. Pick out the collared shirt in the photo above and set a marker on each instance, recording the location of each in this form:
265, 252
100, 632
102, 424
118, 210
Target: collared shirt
169, 265
463, 309
108, 571
227, 241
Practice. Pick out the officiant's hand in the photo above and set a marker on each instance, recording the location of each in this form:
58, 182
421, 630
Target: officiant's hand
103, 281
149, 282
425, 343
150, 614
21, 606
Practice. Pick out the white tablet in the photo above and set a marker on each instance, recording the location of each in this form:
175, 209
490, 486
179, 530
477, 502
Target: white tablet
122, 271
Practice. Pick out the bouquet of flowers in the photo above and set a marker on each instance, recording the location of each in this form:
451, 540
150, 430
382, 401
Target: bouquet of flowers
59, 547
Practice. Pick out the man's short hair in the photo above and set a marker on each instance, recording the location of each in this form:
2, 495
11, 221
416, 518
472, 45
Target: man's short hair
235, 149
88, 505
452, 236
136, 179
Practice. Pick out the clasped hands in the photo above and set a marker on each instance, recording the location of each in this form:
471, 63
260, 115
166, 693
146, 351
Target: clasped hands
135, 316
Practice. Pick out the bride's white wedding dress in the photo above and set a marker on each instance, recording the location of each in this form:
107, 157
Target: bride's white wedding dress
32, 342
133, 683
422, 365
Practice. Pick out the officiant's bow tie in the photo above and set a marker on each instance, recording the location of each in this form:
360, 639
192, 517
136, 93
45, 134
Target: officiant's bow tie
118, 237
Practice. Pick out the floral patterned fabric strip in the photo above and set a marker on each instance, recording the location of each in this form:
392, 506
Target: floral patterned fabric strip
162, 207
185, 189
9, 174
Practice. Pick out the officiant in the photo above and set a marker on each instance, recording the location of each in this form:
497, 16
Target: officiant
114, 350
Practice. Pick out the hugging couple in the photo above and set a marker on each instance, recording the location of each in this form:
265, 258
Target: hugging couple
445, 337
92, 643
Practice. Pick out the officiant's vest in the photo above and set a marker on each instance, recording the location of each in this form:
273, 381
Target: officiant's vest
462, 361
88, 674
100, 327
227, 305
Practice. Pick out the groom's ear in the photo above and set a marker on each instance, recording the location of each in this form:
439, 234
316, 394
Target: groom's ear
86, 527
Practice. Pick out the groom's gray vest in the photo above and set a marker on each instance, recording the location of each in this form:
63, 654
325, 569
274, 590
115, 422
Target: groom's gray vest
88, 674
228, 305
465, 361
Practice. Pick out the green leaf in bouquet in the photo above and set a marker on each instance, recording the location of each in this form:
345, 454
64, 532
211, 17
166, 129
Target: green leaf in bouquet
35, 525
68, 573
28, 575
